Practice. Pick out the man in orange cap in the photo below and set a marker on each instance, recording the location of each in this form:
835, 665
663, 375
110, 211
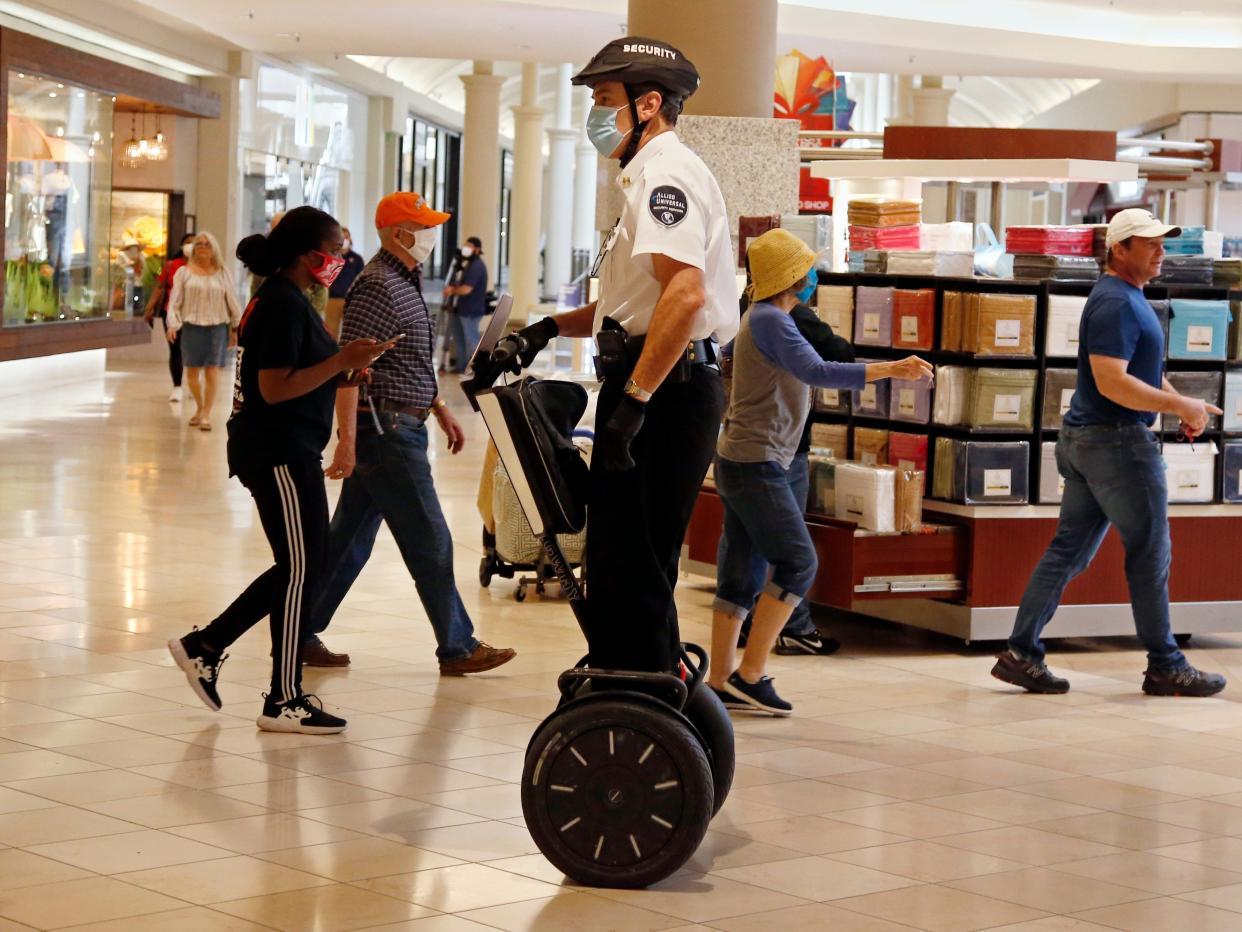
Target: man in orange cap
381, 451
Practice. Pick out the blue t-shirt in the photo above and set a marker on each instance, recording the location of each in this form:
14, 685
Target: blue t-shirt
474, 274
1118, 322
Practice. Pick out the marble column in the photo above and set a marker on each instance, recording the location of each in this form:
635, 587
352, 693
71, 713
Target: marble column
586, 170
480, 162
731, 42
525, 218
558, 251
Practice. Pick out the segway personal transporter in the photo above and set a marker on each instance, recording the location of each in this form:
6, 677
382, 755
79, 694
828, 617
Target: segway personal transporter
621, 780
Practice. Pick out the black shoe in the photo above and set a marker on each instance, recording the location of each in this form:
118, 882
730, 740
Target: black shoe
201, 668
728, 700
1185, 682
1031, 676
303, 715
759, 696
813, 643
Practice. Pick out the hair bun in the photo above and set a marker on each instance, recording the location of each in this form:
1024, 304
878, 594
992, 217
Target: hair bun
256, 254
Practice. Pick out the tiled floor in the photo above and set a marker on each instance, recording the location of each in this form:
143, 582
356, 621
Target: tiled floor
909, 791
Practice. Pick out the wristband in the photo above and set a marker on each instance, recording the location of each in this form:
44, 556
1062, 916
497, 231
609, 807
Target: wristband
636, 391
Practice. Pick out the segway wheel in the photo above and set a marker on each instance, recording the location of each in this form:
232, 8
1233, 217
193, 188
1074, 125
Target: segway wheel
616, 792
708, 714
520, 593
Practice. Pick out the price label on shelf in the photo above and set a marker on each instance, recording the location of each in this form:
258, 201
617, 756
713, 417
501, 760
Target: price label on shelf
1188, 480
1071, 335
1008, 333
831, 397
867, 398
1007, 408
1199, 339
906, 402
997, 482
871, 326
909, 329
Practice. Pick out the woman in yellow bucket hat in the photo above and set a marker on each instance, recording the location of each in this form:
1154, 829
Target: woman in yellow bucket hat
763, 522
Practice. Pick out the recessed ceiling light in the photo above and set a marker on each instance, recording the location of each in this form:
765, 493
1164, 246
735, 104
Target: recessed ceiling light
51, 93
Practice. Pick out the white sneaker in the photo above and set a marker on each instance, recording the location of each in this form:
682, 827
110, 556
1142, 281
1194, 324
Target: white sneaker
175, 395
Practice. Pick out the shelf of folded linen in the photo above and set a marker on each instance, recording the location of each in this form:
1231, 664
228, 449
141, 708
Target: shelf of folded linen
835, 306
1199, 329
863, 238
813, 229
988, 323
1056, 268
939, 263
1050, 240
976, 472
1227, 273
830, 440
990, 400
1186, 270
1206, 386
1059, 387
878, 498
1062, 324
883, 212
954, 236
873, 316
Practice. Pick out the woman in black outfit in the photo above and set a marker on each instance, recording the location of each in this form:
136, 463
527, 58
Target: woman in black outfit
288, 368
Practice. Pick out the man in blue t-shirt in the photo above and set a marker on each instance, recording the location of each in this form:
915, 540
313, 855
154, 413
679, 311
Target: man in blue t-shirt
1113, 470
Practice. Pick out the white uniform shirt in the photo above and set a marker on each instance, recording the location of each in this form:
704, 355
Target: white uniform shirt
673, 207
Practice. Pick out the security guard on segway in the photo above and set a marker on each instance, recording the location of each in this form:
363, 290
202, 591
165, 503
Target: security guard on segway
667, 298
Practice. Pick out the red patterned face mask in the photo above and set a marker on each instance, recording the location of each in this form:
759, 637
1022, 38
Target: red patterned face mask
328, 269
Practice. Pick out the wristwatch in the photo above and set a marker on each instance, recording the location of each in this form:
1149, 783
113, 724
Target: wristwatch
636, 391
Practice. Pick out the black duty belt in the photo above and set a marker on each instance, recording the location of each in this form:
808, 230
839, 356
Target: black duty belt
619, 352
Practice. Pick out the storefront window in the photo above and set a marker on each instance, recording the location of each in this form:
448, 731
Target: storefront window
60, 262
139, 230
430, 159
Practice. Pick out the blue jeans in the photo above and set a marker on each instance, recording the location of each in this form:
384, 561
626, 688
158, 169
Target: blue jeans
764, 524
465, 338
392, 482
1113, 475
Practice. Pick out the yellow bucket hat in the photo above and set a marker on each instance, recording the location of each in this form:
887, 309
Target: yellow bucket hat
778, 260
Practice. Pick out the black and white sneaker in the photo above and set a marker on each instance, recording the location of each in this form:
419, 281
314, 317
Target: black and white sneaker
759, 697
304, 715
1185, 682
813, 643
201, 667
728, 700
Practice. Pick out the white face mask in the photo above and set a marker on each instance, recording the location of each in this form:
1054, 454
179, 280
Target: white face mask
346, 246
467, 251
188, 249
424, 242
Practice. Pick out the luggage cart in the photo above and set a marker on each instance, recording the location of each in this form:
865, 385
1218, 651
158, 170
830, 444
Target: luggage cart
514, 550
621, 780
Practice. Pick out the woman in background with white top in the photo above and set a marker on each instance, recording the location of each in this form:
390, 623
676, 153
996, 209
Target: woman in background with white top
203, 313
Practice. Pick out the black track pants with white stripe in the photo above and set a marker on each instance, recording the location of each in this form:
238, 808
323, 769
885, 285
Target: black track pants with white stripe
293, 508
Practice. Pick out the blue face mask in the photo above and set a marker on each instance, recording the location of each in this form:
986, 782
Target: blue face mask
812, 280
601, 127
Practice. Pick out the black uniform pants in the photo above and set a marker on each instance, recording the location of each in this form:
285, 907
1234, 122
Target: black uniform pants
293, 508
637, 519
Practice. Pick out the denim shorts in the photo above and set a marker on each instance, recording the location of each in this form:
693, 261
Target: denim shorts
204, 346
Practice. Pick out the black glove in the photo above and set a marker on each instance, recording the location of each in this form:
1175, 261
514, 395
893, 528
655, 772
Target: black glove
527, 343
612, 446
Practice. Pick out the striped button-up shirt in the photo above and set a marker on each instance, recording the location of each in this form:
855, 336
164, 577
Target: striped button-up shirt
386, 300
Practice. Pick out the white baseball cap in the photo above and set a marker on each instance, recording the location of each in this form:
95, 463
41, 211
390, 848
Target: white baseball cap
1136, 222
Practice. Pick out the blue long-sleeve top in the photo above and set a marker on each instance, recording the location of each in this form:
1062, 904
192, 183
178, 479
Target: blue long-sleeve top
776, 336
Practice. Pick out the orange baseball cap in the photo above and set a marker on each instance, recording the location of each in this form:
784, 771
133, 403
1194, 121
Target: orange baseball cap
406, 205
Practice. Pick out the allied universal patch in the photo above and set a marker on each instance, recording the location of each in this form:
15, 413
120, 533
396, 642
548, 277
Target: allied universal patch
668, 205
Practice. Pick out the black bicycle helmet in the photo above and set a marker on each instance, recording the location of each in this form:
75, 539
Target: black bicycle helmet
637, 61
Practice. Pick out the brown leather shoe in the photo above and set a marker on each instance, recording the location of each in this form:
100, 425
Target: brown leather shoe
316, 654
482, 658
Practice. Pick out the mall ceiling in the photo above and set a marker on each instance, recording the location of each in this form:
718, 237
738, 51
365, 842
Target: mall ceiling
1146, 39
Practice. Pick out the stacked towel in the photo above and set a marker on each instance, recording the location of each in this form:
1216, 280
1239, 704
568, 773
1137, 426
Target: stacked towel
1050, 240
1056, 268
835, 306
914, 317
870, 446
1059, 385
1203, 385
941, 263
866, 495
1002, 399
873, 316
883, 212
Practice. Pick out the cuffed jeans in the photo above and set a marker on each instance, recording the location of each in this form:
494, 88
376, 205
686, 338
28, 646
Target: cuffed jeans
1113, 475
800, 623
392, 482
764, 523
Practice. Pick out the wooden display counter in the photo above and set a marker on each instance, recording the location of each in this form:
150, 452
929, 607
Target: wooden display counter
966, 579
